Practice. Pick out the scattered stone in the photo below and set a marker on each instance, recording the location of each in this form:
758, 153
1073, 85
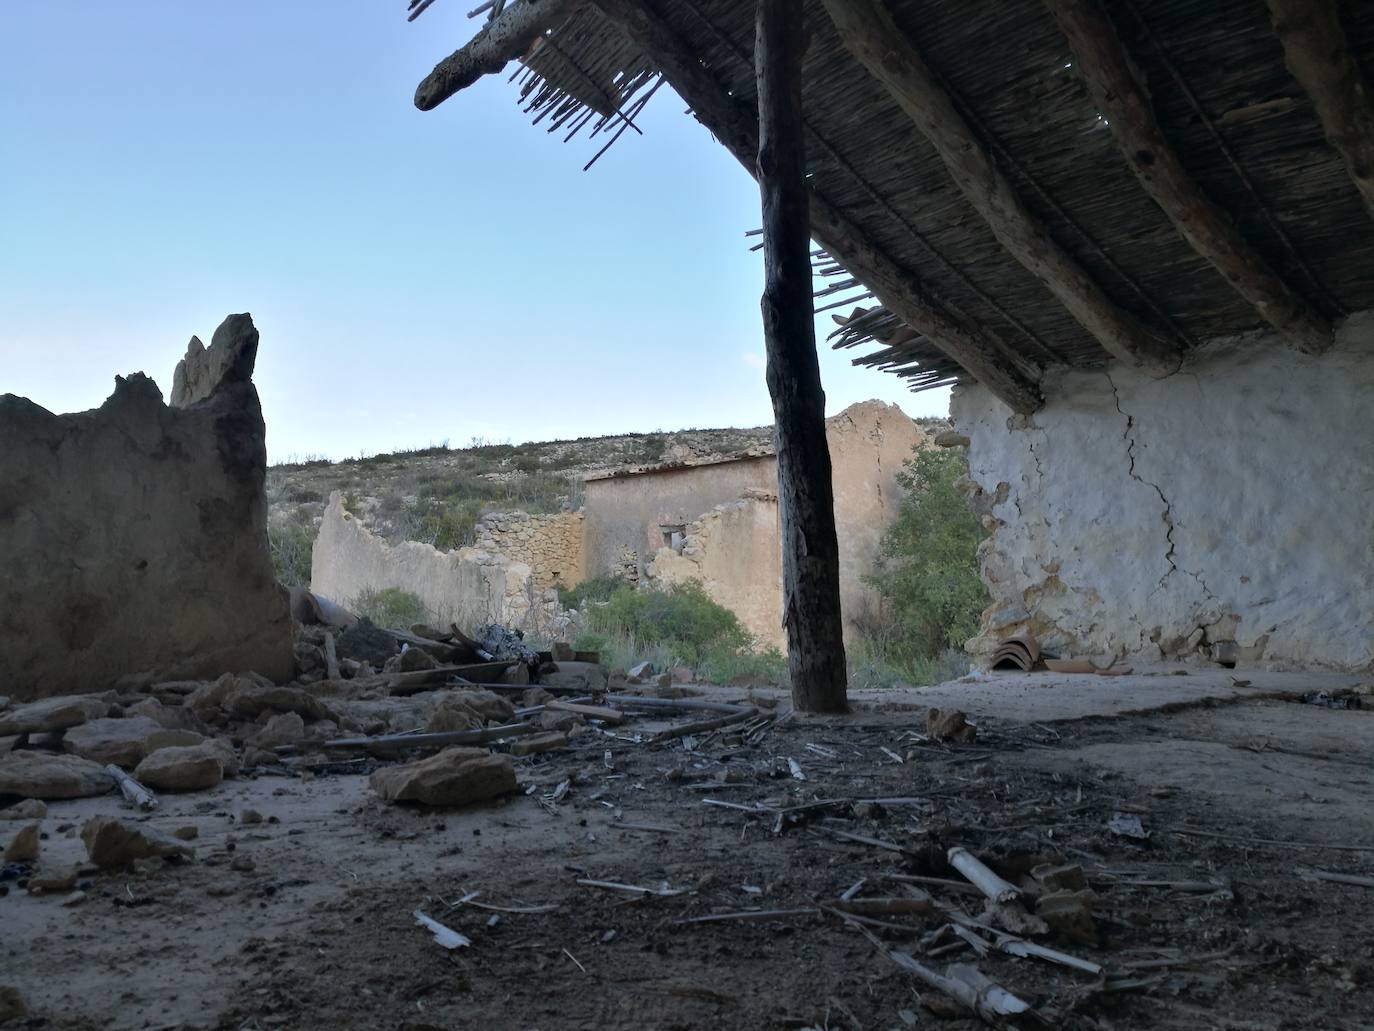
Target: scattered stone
415, 659
188, 833
110, 842
243, 864
1068, 877
169, 738
24, 846
75, 899
29, 809
453, 777
254, 756
365, 643
950, 438
12, 1004
250, 701
533, 743
228, 755
45, 775
640, 673
552, 719
487, 705
683, 675
108, 740
451, 714
518, 675
53, 714
249, 817
191, 768
535, 696
949, 725
53, 882
8, 742
287, 728
173, 717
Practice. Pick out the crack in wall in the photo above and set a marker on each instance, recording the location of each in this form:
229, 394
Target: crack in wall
1168, 514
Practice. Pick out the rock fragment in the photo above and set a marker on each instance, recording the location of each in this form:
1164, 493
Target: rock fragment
12, 1004
190, 768
122, 742
24, 846
48, 776
538, 743
52, 714
949, 725
29, 809
110, 842
456, 776
285, 728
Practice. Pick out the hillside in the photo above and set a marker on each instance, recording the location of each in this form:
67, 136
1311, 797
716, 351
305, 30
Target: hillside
437, 494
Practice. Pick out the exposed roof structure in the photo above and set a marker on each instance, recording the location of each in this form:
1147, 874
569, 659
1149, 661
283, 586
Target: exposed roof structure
1006, 185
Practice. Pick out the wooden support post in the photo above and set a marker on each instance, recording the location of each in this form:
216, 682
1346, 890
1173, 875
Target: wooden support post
871, 36
1318, 54
507, 36
966, 341
806, 505
1100, 58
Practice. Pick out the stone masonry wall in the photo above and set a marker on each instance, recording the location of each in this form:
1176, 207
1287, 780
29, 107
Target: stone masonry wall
1223, 512
551, 545
133, 537
468, 586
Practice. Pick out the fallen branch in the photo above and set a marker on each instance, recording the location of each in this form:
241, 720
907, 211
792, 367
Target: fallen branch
749, 914
389, 743
1357, 880
663, 893
132, 789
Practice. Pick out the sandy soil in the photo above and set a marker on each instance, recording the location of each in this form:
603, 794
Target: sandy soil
319, 933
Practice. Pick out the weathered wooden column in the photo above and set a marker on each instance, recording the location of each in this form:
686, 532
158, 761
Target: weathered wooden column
806, 505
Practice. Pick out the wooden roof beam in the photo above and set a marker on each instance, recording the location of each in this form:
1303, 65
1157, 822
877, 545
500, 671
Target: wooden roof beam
872, 37
501, 40
736, 126
1123, 100
1318, 54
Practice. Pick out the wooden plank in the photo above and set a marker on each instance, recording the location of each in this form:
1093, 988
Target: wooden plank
1100, 58
503, 39
806, 502
1316, 51
595, 712
871, 36
967, 342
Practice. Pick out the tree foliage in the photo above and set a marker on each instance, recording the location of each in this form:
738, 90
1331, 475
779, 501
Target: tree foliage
929, 570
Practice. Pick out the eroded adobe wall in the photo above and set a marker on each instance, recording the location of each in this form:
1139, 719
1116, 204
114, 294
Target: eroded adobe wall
624, 513
468, 586
1226, 511
551, 545
133, 538
734, 551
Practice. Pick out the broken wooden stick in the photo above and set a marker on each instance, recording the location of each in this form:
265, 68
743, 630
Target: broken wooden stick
132, 789
636, 889
1333, 877
886, 906
984, 879
593, 712
749, 914
390, 743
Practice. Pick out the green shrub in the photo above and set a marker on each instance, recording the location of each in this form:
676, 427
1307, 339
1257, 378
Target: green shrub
446, 524
682, 617
291, 542
928, 576
390, 607
598, 588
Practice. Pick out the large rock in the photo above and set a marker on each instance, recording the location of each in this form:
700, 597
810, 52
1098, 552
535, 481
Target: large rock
173, 717
44, 775
52, 714
24, 846
190, 768
249, 702
119, 741
110, 842
286, 728
454, 777
133, 537
365, 643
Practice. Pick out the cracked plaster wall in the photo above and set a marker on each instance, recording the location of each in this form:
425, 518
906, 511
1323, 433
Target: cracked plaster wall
1223, 512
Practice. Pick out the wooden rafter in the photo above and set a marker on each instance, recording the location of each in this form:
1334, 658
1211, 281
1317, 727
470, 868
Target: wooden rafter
806, 504
965, 341
1316, 51
501, 40
1122, 99
872, 37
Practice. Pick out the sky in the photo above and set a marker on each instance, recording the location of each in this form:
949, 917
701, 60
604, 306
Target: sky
415, 277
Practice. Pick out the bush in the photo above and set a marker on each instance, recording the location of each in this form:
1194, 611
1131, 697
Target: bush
391, 608
929, 571
683, 617
291, 542
598, 588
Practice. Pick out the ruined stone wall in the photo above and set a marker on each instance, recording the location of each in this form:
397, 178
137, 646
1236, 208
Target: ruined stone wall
133, 538
735, 548
1226, 511
624, 514
468, 586
551, 545
734, 551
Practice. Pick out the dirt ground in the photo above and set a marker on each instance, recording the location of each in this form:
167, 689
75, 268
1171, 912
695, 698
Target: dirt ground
1213, 921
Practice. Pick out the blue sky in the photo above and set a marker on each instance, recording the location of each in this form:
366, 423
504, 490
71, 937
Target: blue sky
415, 277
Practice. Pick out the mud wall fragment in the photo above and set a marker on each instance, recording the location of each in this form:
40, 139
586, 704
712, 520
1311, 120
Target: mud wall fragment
133, 537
